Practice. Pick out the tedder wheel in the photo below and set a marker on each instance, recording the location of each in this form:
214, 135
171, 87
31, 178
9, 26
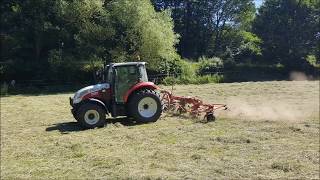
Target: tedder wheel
211, 117
91, 116
145, 106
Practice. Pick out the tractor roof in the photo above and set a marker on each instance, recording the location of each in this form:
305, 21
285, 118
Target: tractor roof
127, 64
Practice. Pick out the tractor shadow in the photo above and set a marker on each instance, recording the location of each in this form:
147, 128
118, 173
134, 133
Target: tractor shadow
67, 127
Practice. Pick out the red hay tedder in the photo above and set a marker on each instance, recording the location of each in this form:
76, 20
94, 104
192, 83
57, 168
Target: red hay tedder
192, 105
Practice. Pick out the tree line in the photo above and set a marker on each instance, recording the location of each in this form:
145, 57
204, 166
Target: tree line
68, 40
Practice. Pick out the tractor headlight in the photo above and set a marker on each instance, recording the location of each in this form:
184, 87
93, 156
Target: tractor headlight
78, 96
82, 92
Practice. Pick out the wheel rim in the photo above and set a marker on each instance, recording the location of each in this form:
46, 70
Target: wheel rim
91, 117
147, 107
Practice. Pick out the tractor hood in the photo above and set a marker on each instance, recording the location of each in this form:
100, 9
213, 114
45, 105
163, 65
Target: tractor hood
89, 89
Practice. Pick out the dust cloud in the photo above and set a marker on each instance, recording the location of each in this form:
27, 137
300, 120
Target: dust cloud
299, 76
273, 111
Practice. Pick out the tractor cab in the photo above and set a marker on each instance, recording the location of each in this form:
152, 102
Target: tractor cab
124, 91
123, 76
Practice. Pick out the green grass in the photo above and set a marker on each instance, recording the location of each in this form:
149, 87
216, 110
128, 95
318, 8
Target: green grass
40, 139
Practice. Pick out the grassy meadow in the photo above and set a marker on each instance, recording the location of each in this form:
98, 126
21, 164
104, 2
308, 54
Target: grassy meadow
271, 131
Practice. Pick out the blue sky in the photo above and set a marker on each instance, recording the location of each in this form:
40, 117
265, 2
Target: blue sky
258, 2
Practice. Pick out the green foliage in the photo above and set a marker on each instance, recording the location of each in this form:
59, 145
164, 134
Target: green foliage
92, 24
279, 66
67, 40
201, 23
141, 33
55, 58
189, 73
170, 67
216, 78
177, 67
45, 38
94, 65
4, 88
250, 44
208, 65
238, 46
170, 80
193, 79
187, 70
312, 59
288, 29
2, 70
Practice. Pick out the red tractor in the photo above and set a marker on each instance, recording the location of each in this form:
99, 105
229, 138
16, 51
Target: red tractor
124, 91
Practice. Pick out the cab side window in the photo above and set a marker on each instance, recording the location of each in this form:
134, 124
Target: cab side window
127, 76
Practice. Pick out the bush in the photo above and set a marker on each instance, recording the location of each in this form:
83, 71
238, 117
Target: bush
187, 70
210, 79
4, 88
177, 67
169, 80
189, 73
193, 79
70, 68
209, 65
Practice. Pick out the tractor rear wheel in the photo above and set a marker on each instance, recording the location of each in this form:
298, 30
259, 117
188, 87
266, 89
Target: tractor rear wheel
145, 106
91, 116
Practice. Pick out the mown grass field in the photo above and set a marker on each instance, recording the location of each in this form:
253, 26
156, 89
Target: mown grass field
271, 131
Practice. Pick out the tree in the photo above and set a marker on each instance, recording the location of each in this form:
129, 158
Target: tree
63, 39
29, 30
288, 29
202, 23
141, 32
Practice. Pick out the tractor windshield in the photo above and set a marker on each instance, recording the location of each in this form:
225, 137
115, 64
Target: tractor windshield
143, 74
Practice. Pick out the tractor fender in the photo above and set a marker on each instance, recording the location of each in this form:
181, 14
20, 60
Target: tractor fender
139, 86
98, 102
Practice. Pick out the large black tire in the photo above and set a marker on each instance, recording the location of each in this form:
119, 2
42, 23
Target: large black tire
91, 116
145, 106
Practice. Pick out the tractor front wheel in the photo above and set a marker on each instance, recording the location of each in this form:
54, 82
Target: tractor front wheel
91, 116
145, 106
